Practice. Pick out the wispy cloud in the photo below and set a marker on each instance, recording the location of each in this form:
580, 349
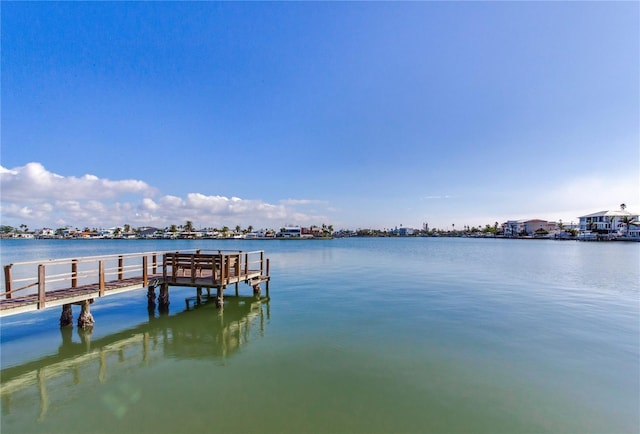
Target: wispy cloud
436, 196
31, 194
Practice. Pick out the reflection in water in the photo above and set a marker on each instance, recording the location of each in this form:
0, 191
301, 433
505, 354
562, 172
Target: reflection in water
202, 331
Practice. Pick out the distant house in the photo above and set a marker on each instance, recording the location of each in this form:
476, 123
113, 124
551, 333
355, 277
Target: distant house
290, 232
46, 233
514, 228
406, 232
613, 224
147, 232
106, 233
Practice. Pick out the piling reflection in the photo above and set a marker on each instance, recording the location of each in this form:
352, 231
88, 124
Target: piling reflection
202, 331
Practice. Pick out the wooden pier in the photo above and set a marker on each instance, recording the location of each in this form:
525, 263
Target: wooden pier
38, 285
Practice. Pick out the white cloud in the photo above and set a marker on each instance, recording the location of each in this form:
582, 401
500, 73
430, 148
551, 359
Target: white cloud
33, 182
436, 196
589, 193
33, 195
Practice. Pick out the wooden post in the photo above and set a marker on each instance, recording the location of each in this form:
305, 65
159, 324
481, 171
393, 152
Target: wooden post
41, 290
163, 298
101, 278
154, 261
268, 277
145, 272
174, 267
164, 267
261, 262
7, 280
151, 297
220, 298
193, 269
237, 265
66, 317
85, 319
246, 264
223, 269
120, 267
74, 273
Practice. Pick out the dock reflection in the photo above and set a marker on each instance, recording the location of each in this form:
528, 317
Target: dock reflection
200, 332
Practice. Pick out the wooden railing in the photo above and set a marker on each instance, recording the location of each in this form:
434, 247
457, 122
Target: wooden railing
218, 266
24, 278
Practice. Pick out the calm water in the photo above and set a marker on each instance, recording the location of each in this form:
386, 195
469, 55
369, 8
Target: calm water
360, 335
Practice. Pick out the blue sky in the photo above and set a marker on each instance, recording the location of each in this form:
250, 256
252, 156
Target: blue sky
353, 114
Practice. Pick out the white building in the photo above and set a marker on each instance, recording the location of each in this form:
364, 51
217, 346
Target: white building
514, 228
46, 233
614, 224
290, 232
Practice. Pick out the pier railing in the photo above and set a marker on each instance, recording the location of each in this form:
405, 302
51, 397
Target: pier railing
27, 278
217, 265
24, 278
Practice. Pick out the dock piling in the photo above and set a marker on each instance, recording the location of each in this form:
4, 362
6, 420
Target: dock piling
163, 298
66, 317
85, 319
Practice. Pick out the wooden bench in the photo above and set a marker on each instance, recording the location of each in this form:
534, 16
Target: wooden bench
200, 265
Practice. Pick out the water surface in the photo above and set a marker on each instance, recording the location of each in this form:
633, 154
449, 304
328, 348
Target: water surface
359, 335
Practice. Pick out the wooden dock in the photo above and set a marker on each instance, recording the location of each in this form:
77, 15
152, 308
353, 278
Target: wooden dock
38, 285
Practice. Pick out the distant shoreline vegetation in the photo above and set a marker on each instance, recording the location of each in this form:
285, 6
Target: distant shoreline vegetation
601, 226
289, 232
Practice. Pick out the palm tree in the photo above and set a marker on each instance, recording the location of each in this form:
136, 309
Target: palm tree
188, 227
610, 229
626, 220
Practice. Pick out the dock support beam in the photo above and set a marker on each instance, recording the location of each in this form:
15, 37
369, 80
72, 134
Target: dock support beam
85, 319
163, 298
268, 277
220, 298
66, 317
151, 296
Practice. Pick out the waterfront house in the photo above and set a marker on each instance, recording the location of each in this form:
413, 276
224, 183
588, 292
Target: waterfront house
290, 232
46, 233
531, 227
406, 232
611, 224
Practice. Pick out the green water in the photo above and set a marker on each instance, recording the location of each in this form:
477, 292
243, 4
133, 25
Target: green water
359, 335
